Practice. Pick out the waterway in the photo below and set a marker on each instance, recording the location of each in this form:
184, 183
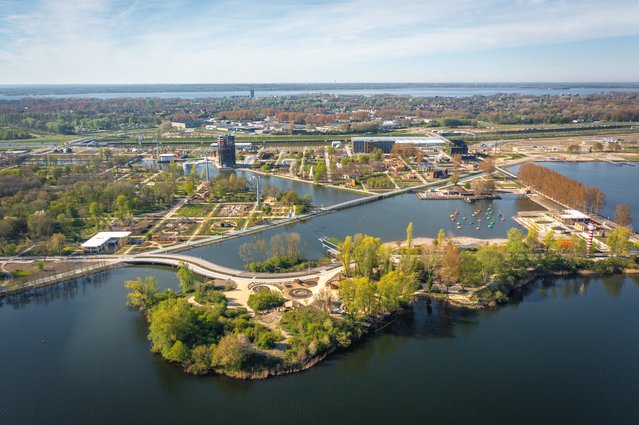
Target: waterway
564, 353
386, 219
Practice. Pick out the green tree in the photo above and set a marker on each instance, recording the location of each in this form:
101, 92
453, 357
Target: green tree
365, 256
95, 211
454, 179
144, 293
265, 300
384, 253
122, 207
189, 187
170, 320
618, 240
186, 277
470, 270
409, 235
396, 289
516, 249
490, 260
345, 255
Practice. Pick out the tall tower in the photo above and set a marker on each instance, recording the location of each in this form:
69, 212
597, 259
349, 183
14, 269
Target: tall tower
226, 150
591, 233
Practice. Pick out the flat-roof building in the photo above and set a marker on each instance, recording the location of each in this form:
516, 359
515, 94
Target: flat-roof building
371, 144
105, 242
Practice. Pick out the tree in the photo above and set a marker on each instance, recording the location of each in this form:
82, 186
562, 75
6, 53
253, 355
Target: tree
56, 243
265, 300
189, 187
186, 277
232, 353
144, 293
470, 270
597, 147
532, 238
574, 149
450, 268
360, 296
488, 166
365, 255
516, 249
623, 216
95, 211
409, 235
170, 321
395, 289
454, 179
431, 262
549, 240
384, 253
122, 207
345, 256
491, 260
618, 240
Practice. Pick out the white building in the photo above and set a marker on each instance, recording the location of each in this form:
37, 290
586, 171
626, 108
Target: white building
105, 242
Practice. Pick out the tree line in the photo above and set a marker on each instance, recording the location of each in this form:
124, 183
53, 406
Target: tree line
561, 188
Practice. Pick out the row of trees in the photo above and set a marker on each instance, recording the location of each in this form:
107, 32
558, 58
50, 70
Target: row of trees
281, 253
565, 190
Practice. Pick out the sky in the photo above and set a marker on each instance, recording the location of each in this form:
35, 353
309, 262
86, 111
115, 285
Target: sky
279, 41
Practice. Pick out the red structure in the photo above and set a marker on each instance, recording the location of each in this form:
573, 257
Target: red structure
591, 233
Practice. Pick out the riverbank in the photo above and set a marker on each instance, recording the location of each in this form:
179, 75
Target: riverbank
468, 298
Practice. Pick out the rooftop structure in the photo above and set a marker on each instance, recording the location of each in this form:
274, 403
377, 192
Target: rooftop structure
105, 242
371, 144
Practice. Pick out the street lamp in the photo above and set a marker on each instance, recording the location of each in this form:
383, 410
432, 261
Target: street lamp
257, 183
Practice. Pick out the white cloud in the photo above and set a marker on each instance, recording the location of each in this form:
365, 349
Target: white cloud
230, 41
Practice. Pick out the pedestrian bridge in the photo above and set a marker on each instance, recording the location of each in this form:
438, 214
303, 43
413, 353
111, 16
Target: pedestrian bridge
214, 271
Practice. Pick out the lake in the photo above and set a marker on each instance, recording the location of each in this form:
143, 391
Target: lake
196, 91
563, 353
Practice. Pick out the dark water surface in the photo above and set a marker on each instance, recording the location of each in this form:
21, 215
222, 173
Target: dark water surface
565, 353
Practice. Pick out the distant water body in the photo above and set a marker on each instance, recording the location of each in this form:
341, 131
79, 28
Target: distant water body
197, 91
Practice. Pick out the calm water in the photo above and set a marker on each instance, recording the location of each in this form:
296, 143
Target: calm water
386, 219
619, 183
565, 353
270, 90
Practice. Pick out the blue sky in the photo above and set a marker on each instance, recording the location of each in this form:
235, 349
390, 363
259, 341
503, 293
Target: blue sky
115, 41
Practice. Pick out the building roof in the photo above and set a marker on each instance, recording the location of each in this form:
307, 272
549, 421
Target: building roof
573, 215
101, 238
408, 140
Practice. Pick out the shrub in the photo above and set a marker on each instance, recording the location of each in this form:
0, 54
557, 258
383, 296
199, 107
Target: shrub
265, 300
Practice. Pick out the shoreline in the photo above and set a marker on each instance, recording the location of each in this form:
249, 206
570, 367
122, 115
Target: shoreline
375, 325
